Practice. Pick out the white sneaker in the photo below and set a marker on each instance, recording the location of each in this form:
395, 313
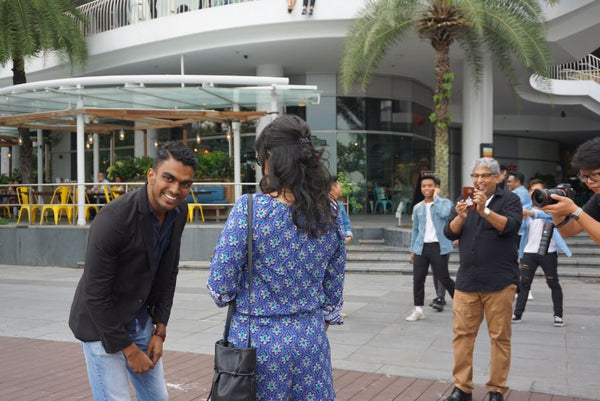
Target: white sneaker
530, 296
415, 315
558, 321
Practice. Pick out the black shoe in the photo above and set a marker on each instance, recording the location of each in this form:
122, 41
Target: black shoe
495, 396
459, 395
438, 304
310, 12
516, 319
304, 11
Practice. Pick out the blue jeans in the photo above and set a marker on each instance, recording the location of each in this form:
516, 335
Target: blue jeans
107, 373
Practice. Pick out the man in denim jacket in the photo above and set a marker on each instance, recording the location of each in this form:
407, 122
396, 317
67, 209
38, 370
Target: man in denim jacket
428, 245
529, 254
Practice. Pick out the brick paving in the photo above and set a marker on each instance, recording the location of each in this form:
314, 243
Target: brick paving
53, 370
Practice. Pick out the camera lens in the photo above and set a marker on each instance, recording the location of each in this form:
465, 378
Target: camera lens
541, 198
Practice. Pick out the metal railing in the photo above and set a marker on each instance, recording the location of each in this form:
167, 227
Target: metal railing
586, 69
104, 15
41, 194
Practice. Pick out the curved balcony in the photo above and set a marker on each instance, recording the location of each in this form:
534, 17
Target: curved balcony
105, 15
571, 83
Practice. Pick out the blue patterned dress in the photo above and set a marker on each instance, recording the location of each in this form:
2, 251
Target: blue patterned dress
297, 284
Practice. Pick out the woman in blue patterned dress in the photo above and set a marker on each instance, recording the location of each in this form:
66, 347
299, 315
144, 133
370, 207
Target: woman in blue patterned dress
298, 267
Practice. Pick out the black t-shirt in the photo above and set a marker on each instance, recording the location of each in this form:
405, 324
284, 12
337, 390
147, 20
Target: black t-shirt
592, 207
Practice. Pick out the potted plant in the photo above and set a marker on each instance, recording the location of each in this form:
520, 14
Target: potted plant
348, 189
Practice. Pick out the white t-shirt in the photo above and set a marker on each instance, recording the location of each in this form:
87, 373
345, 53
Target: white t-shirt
430, 235
535, 235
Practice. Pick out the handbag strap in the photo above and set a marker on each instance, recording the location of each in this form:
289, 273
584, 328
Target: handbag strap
232, 302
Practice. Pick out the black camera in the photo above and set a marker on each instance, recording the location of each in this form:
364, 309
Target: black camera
541, 197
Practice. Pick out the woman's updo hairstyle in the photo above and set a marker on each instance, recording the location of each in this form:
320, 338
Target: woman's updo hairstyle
294, 165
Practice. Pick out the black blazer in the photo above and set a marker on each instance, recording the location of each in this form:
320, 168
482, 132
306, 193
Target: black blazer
117, 278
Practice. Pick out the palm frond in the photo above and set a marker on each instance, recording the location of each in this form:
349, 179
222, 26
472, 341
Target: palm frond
470, 43
517, 31
28, 27
379, 25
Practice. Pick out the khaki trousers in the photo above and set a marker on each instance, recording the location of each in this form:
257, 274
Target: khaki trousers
469, 308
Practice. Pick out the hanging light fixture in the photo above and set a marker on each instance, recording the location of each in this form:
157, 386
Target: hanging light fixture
156, 144
90, 138
20, 141
121, 134
198, 139
87, 145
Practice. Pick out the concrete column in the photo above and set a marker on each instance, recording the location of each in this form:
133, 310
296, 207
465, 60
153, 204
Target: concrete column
478, 115
151, 137
40, 158
15, 157
4, 161
267, 70
96, 157
80, 146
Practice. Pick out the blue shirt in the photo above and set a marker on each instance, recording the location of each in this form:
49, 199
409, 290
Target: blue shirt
523, 195
440, 210
162, 242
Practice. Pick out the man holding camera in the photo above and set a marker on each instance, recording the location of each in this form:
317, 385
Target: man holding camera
539, 245
486, 223
568, 217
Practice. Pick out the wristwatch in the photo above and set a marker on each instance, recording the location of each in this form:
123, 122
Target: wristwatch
576, 213
486, 212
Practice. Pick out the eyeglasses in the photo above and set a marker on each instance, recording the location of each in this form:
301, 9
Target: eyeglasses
259, 160
594, 177
485, 176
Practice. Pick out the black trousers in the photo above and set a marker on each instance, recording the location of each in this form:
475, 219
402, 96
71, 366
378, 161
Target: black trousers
305, 3
439, 265
549, 264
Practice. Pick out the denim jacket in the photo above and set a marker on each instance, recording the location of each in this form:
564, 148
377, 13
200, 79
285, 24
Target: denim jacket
345, 220
523, 195
540, 214
440, 210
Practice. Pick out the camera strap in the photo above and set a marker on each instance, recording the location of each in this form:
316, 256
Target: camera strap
562, 223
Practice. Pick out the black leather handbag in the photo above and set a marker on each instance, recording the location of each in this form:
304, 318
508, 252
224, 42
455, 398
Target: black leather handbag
235, 368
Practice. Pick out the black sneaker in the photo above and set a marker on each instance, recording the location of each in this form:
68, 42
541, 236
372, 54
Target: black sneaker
516, 319
438, 304
304, 11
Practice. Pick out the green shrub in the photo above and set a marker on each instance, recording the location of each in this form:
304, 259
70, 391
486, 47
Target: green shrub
215, 164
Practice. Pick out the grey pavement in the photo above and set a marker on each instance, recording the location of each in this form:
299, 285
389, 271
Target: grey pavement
34, 303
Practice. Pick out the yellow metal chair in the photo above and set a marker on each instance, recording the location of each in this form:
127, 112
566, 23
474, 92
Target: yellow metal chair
61, 202
192, 206
27, 202
108, 194
87, 207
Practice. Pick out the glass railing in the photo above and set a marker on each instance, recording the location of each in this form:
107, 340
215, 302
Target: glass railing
105, 15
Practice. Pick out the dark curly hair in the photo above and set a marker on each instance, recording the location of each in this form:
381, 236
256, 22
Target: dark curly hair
178, 151
296, 166
587, 156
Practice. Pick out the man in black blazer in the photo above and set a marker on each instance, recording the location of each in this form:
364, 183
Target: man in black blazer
123, 301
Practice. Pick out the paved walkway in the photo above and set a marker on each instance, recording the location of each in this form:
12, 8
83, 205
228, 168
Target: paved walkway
376, 354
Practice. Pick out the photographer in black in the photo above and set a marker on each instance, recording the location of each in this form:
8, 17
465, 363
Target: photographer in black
568, 217
539, 245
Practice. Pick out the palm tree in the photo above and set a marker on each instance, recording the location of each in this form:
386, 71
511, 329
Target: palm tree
507, 29
29, 28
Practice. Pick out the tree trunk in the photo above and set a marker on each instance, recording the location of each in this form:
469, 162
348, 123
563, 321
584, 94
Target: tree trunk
442, 123
26, 154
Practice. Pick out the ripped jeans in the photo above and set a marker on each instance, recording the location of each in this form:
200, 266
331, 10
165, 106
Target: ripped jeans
549, 264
